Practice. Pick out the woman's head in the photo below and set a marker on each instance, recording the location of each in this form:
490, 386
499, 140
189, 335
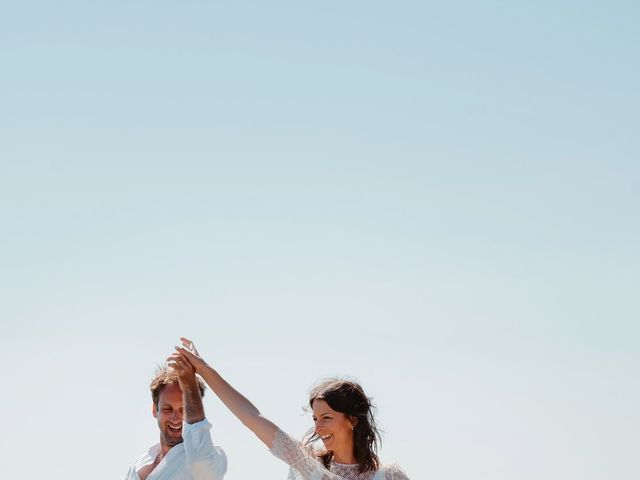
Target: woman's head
343, 417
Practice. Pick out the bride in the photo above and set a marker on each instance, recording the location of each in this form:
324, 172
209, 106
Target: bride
343, 419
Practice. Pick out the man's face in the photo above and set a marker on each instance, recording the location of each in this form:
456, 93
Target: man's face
170, 412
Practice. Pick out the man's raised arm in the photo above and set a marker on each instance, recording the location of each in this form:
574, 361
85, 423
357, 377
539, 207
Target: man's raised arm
204, 460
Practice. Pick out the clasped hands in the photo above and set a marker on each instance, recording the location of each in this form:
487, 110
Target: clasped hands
185, 361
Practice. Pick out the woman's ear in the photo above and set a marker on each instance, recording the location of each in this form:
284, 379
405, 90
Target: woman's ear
354, 422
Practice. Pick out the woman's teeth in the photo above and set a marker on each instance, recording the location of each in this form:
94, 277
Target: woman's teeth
326, 437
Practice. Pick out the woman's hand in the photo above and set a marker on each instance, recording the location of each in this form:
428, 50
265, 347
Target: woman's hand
189, 351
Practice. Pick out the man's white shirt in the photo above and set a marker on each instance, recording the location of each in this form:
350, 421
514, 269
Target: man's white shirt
196, 458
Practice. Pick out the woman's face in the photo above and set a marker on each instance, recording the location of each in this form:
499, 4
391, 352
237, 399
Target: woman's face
335, 429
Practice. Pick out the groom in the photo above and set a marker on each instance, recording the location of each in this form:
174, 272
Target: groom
185, 451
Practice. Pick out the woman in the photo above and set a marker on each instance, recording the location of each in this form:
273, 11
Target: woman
343, 419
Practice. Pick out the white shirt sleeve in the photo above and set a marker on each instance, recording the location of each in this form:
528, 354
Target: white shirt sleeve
204, 460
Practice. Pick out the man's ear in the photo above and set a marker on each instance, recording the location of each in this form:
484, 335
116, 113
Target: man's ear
154, 411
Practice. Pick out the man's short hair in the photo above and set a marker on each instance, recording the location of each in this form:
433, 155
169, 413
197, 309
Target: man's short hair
168, 376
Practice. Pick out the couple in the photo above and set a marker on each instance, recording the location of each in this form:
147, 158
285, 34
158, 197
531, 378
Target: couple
342, 414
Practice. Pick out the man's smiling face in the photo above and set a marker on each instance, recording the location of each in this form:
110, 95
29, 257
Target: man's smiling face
170, 413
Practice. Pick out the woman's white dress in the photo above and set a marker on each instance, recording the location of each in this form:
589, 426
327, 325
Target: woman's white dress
305, 464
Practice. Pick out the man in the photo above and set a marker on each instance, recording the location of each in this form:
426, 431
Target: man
185, 451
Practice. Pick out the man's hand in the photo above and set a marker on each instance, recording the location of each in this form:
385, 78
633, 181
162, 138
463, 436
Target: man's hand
191, 397
184, 369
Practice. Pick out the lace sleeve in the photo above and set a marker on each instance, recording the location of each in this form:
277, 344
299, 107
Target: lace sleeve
394, 472
303, 462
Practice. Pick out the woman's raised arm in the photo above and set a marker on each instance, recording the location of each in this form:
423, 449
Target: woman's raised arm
239, 405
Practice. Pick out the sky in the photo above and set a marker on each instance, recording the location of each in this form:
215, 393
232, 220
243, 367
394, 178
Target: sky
439, 200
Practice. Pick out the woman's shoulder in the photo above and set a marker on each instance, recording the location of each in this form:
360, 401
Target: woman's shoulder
393, 471
288, 448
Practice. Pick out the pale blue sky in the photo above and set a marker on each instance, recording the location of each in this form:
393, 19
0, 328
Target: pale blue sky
440, 200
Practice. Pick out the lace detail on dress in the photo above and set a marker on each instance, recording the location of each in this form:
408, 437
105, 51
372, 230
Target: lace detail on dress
305, 464
394, 472
350, 472
303, 461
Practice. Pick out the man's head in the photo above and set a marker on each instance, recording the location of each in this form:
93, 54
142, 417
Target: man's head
168, 407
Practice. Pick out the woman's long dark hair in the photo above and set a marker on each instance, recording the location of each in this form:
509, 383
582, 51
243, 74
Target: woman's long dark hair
348, 397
